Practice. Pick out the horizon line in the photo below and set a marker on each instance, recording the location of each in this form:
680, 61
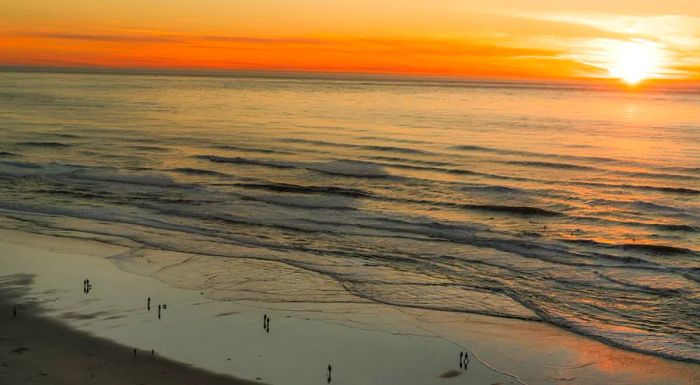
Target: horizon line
344, 75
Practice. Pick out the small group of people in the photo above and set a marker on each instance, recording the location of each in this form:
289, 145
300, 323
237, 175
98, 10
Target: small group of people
463, 360
87, 286
148, 307
160, 306
266, 323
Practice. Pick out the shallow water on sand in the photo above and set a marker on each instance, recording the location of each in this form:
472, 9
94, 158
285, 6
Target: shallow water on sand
366, 343
576, 206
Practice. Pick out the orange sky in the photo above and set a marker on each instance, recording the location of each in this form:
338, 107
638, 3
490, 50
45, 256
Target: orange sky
521, 39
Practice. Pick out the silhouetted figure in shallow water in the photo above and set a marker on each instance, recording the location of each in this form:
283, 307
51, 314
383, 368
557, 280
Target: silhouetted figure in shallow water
134, 353
148, 304
158, 311
265, 321
466, 360
14, 311
330, 369
460, 358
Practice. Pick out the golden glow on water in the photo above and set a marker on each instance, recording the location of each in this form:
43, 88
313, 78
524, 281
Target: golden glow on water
553, 194
556, 356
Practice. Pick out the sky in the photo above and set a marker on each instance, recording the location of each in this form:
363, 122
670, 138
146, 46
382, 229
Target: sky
630, 40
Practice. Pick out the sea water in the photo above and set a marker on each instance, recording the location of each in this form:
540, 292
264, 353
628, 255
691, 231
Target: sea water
573, 205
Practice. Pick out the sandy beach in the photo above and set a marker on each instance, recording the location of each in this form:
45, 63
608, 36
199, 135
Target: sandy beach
74, 337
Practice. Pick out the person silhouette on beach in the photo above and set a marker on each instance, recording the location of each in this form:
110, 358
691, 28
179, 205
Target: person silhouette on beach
466, 360
460, 358
14, 311
148, 304
267, 329
158, 311
134, 353
265, 321
330, 369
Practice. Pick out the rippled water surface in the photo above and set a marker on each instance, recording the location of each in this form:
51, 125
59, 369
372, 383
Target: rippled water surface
574, 206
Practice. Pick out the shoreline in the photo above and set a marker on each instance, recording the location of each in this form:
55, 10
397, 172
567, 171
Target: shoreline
561, 356
119, 262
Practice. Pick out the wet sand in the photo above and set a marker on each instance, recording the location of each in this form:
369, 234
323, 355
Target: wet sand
366, 343
35, 349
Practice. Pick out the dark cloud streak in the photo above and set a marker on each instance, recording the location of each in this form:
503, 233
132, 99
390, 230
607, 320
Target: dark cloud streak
102, 38
393, 46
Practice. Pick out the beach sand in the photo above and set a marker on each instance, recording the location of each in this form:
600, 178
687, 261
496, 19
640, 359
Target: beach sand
72, 336
39, 350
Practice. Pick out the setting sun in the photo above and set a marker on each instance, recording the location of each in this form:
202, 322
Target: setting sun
634, 61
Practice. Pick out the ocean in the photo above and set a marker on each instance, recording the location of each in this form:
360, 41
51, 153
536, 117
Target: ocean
575, 205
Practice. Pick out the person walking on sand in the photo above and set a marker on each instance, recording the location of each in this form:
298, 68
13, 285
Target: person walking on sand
466, 360
268, 325
265, 321
158, 311
460, 359
330, 369
148, 304
134, 353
